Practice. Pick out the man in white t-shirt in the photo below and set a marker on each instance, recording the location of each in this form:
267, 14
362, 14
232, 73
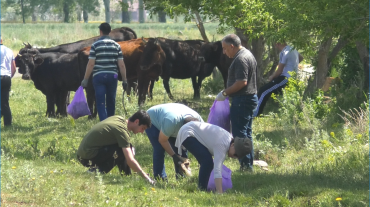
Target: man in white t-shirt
289, 59
205, 140
7, 72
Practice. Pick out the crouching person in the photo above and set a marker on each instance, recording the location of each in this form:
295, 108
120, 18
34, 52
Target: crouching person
107, 144
205, 140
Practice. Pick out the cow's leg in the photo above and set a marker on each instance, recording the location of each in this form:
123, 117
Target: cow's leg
150, 90
50, 101
90, 96
143, 89
195, 87
62, 103
167, 87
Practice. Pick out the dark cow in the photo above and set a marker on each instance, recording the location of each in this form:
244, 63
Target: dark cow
213, 54
52, 78
132, 51
118, 34
183, 60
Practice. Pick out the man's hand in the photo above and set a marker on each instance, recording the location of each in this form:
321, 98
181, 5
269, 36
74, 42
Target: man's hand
84, 83
220, 97
124, 85
183, 163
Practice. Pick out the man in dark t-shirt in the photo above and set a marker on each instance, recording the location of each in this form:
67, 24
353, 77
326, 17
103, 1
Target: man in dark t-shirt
242, 88
107, 144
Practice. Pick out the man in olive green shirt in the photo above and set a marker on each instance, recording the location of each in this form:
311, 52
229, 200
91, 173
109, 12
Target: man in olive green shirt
107, 144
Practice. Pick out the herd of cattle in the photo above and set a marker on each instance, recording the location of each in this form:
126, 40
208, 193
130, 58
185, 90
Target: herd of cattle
56, 71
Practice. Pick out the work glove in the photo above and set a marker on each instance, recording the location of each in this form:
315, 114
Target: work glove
220, 97
124, 85
84, 83
183, 163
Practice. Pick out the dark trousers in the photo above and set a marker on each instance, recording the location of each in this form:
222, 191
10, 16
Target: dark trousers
105, 85
6, 84
264, 93
204, 159
241, 116
159, 169
107, 157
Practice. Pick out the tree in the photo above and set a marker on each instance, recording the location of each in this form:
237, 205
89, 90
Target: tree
141, 11
107, 10
88, 6
25, 8
125, 13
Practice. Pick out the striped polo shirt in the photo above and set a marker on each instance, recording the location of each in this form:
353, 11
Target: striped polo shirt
106, 53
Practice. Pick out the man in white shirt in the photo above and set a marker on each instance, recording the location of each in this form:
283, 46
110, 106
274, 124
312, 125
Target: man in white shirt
7, 72
289, 59
205, 140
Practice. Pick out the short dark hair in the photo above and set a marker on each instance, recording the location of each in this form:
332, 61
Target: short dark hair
105, 28
143, 116
189, 119
231, 142
232, 39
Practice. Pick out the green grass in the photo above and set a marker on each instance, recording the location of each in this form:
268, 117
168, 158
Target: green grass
42, 151
311, 162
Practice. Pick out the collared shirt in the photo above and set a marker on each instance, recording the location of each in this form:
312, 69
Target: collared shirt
290, 59
6, 56
170, 117
106, 53
243, 68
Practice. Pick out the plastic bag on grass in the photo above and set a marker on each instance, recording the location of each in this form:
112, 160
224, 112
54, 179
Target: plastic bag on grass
78, 106
220, 114
226, 180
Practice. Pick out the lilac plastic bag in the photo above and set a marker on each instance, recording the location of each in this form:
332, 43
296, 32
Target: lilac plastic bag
220, 114
78, 106
226, 180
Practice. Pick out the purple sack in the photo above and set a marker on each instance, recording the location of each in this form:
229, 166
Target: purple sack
78, 106
226, 180
220, 114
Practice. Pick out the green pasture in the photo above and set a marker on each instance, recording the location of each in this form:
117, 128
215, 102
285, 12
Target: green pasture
315, 157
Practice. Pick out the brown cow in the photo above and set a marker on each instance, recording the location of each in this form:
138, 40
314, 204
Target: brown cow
132, 51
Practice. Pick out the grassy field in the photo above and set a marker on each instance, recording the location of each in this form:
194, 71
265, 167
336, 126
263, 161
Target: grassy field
313, 161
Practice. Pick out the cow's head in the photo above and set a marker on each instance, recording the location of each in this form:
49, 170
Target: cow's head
28, 60
153, 55
210, 51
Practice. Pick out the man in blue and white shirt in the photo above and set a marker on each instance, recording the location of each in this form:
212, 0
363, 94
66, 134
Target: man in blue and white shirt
7, 72
288, 61
105, 55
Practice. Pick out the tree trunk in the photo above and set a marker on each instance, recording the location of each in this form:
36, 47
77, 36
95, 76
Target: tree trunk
243, 38
338, 47
141, 11
85, 16
274, 56
125, 12
162, 16
258, 49
322, 68
24, 21
107, 10
363, 52
200, 26
66, 11
34, 16
78, 14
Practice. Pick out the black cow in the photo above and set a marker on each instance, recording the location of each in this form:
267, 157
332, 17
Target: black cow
54, 74
183, 60
42, 80
213, 54
118, 34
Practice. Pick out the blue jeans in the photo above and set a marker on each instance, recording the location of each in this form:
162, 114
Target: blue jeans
105, 85
159, 170
241, 116
204, 159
